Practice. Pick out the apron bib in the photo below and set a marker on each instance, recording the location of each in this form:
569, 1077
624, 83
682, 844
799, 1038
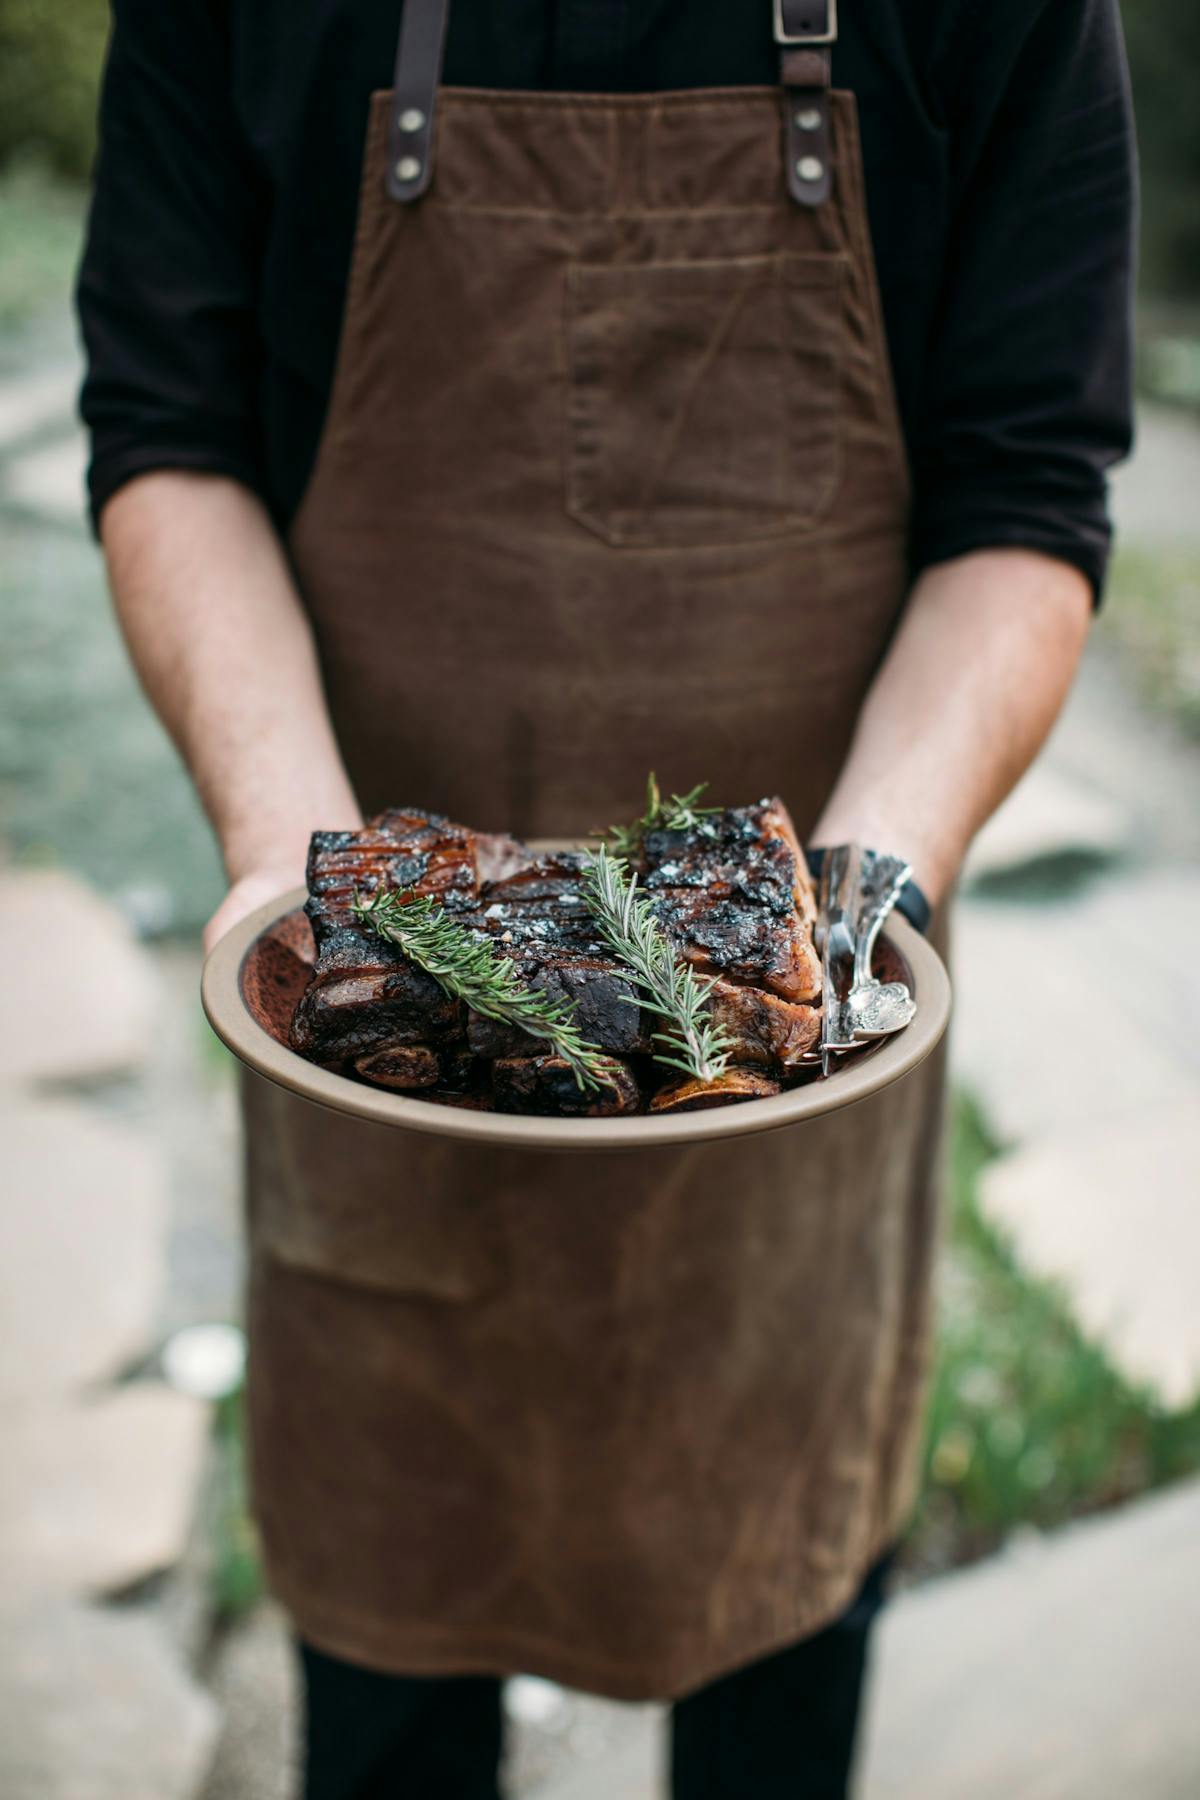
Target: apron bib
612, 480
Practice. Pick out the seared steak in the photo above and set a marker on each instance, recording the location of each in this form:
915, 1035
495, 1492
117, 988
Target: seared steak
363, 994
545, 1084
685, 1094
732, 892
398, 849
400, 1066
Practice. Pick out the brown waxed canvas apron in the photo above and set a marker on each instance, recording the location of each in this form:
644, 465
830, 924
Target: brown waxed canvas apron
612, 481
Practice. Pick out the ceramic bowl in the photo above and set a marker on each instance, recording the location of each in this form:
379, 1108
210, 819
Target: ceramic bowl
257, 972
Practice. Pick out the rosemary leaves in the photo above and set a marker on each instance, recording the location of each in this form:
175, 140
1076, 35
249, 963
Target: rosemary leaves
678, 813
468, 968
625, 920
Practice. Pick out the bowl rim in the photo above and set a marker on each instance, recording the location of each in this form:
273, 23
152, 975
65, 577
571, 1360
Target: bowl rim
897, 1056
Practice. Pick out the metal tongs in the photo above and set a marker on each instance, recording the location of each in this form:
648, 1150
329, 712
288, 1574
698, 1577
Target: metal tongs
858, 890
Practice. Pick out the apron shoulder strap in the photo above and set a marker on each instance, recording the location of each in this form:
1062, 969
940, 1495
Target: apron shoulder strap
414, 97
805, 31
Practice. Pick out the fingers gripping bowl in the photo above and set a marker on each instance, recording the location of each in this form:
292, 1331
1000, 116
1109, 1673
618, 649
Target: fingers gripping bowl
286, 980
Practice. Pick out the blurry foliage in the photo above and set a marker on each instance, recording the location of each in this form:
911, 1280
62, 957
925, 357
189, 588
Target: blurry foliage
1164, 57
1029, 1423
50, 57
236, 1570
40, 217
1169, 367
1153, 617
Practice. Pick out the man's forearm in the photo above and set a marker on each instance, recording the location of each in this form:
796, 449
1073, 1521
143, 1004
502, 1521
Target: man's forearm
223, 649
965, 698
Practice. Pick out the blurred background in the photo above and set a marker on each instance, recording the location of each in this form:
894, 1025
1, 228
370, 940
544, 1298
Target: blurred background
1044, 1641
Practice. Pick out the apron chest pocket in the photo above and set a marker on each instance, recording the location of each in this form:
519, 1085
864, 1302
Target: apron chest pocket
702, 402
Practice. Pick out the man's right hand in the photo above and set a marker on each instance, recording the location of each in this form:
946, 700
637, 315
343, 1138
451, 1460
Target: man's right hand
221, 641
248, 892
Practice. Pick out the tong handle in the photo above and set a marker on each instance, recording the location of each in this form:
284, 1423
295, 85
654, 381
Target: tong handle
841, 876
883, 878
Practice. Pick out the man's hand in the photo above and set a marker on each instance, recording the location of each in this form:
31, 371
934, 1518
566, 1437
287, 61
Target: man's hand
250, 891
973, 681
224, 650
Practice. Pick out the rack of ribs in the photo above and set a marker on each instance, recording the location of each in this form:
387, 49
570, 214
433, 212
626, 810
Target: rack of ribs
732, 893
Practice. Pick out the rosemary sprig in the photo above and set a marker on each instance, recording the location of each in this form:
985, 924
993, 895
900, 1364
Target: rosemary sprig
468, 968
678, 813
625, 920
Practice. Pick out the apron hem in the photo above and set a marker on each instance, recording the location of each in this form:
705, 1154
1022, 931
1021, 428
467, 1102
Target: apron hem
505, 1654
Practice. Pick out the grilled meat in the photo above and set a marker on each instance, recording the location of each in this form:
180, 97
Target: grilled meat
607, 1009
404, 847
537, 916
400, 1066
363, 994
732, 892
766, 1030
688, 1095
546, 1084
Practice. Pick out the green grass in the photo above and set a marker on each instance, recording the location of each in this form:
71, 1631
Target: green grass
1029, 1422
1152, 617
237, 1579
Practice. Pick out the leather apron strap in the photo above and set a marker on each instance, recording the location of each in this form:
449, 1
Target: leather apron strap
805, 31
414, 96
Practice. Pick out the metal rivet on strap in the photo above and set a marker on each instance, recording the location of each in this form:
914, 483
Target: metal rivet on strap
408, 168
808, 119
412, 119
810, 168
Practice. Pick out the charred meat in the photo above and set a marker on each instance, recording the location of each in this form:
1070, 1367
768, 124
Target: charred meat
732, 892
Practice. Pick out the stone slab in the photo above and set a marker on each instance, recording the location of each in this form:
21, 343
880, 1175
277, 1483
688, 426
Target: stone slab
93, 1706
1114, 1214
582, 1748
33, 402
51, 481
1049, 814
1107, 741
1052, 1673
80, 995
1054, 1030
255, 1682
630, 1772
1154, 493
1138, 931
81, 1248
98, 1495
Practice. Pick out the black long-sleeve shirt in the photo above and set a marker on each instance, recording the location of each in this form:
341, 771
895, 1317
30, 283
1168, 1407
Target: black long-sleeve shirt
998, 147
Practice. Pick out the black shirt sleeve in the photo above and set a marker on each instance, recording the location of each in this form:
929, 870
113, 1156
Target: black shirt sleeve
167, 286
1027, 397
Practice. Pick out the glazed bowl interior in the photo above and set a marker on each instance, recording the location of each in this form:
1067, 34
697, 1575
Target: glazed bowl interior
255, 976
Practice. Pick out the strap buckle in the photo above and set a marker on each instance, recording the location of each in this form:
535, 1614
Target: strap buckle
804, 21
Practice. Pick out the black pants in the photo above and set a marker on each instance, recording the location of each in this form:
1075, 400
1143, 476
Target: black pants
782, 1729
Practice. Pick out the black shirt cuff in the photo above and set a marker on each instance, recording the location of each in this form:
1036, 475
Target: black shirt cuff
910, 901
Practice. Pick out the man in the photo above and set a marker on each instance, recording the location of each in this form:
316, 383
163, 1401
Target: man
643, 419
